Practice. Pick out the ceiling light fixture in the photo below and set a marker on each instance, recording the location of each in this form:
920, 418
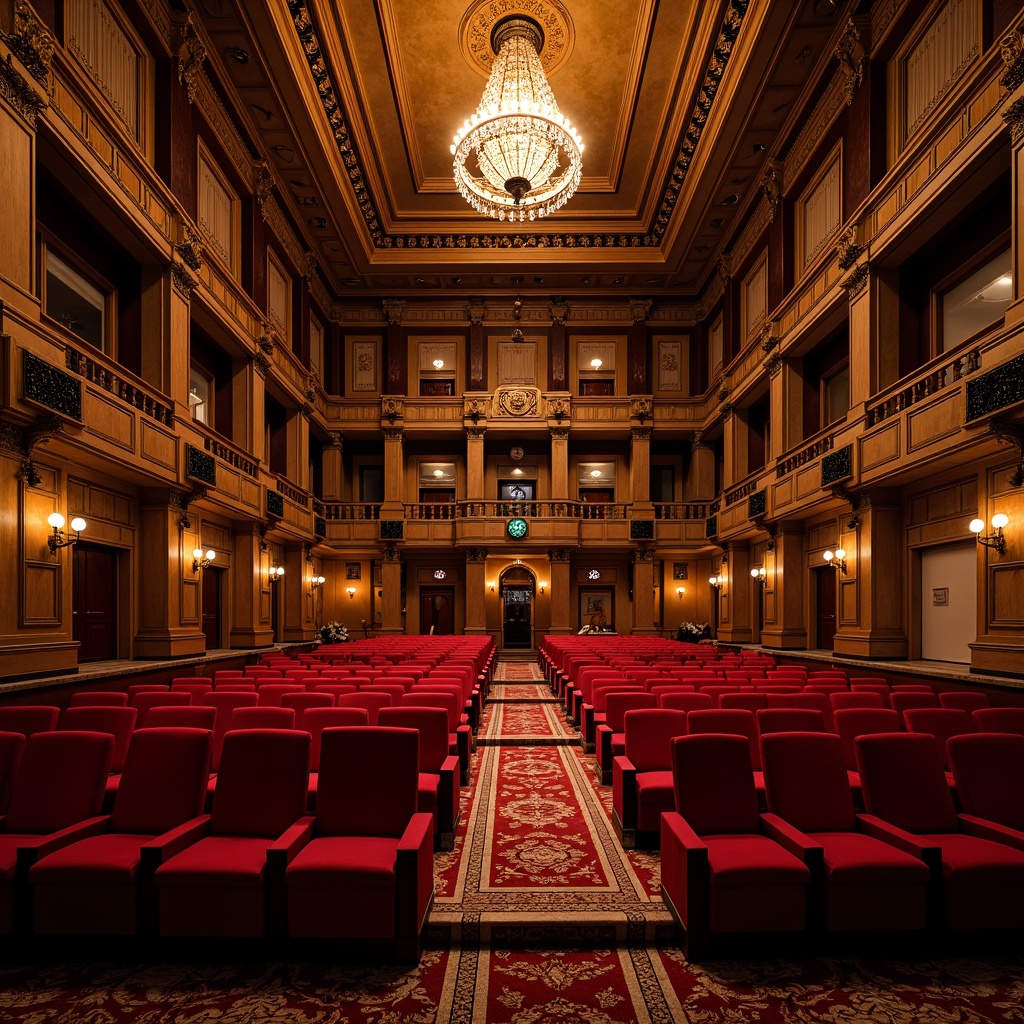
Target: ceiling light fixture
527, 153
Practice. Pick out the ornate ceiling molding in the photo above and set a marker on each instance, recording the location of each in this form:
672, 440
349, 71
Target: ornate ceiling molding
368, 205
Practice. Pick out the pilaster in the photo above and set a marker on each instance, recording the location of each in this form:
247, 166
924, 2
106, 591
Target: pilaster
250, 578
560, 590
734, 596
785, 590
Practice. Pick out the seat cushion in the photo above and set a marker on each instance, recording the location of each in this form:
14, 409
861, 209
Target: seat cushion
654, 788
853, 857
752, 860
110, 857
344, 861
969, 859
217, 861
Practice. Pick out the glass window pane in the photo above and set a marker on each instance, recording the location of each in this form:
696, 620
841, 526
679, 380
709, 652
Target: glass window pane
976, 302
73, 302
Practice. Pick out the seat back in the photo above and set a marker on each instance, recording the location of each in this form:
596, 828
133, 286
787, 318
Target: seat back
940, 723
98, 698
371, 702
29, 718
648, 737
789, 720
966, 700
196, 685
60, 781
998, 720
686, 701
315, 720
902, 701
430, 723
855, 699
334, 689
268, 695
368, 781
744, 701
302, 702
713, 782
261, 718
903, 781
261, 785
12, 745
617, 704
989, 773
190, 717
430, 699
805, 781
225, 703
164, 779
731, 722
395, 691
119, 722
804, 699
853, 722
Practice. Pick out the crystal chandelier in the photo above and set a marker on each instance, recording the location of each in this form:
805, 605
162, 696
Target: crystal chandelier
527, 153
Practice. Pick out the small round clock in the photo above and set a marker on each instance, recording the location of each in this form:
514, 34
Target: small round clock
517, 528
516, 453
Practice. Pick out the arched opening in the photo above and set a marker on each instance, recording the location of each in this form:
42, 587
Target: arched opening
517, 587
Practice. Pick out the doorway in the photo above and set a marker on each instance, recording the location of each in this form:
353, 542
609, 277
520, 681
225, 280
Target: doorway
949, 602
517, 617
94, 601
826, 617
211, 608
437, 610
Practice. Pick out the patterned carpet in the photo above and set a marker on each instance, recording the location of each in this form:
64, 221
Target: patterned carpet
539, 918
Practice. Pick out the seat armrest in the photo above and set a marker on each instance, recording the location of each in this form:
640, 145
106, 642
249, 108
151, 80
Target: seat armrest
157, 851
985, 829
420, 829
283, 850
791, 839
875, 827
624, 799
676, 826
39, 847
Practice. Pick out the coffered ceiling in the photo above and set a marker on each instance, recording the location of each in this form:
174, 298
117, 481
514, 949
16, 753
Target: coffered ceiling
680, 104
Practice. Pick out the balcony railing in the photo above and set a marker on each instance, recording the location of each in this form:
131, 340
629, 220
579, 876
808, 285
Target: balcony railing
690, 510
348, 510
548, 509
942, 376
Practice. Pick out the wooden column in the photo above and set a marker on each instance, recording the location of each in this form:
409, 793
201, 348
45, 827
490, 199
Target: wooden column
785, 590
476, 590
1013, 114
250, 579
476, 354
301, 600
560, 464
558, 348
700, 474
643, 590
475, 490
396, 356
560, 590
334, 468
636, 348
734, 602
391, 602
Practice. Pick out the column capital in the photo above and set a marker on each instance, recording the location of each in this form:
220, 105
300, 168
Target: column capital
640, 310
558, 310
476, 554
394, 310
476, 310
559, 554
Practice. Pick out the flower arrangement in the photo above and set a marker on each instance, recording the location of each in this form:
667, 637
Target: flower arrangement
693, 632
334, 633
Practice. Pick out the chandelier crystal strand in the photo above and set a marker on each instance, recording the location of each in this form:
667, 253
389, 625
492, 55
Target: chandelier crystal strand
527, 152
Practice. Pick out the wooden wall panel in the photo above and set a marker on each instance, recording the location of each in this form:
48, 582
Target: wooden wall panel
935, 421
158, 447
1007, 595
17, 201
881, 447
42, 591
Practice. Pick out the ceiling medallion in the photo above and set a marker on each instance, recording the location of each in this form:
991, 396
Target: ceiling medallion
479, 21
518, 157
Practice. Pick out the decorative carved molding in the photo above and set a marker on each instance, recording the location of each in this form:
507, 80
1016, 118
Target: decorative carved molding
1013, 115
1012, 433
393, 310
22, 440
558, 310
848, 249
476, 409
335, 441
771, 185
309, 264
390, 552
640, 310
559, 433
261, 364
559, 554
853, 499
769, 339
391, 409
1011, 49
190, 248
184, 283
723, 268
559, 408
191, 54
182, 500
476, 310
30, 41
265, 342
641, 408
856, 279
723, 393
850, 54
640, 433
516, 401
644, 553
262, 186
476, 554
773, 364
22, 97
696, 442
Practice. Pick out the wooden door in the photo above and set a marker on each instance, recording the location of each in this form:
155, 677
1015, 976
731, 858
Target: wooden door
826, 607
518, 617
437, 611
94, 601
211, 608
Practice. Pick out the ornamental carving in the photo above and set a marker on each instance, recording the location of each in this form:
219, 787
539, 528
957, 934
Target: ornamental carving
773, 363
1013, 115
476, 554
559, 433
641, 409
696, 442
559, 554
771, 185
191, 55
22, 97
516, 401
261, 364
476, 409
854, 281
335, 440
262, 186
184, 283
391, 409
30, 41
1012, 51
309, 264
393, 311
476, 310
848, 249
391, 553
558, 310
640, 310
190, 248
850, 54
644, 553
265, 341
559, 408
769, 339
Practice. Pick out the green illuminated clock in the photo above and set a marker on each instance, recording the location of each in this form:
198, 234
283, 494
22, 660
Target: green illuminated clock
517, 528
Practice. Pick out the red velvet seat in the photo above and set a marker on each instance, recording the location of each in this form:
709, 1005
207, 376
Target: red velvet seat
980, 880
370, 702
314, 721
469, 714
301, 702
362, 869
119, 722
853, 722
100, 885
940, 723
744, 701
135, 688
334, 689
789, 720
732, 722
192, 716
56, 799
856, 699
29, 718
460, 737
218, 885
225, 703
966, 700
686, 701
12, 745
860, 883
721, 872
642, 777
196, 685
438, 789
236, 686
143, 702
902, 701
610, 740
394, 690
991, 720
804, 699
268, 695
98, 698
989, 772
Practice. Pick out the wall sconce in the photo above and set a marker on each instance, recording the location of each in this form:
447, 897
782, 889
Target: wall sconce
316, 582
680, 591
542, 586
716, 581
993, 540
201, 560
57, 538
596, 364
351, 591
837, 560
491, 587
760, 574
276, 572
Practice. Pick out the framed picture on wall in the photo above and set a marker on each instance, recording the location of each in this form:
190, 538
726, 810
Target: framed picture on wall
597, 608
353, 570
680, 570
